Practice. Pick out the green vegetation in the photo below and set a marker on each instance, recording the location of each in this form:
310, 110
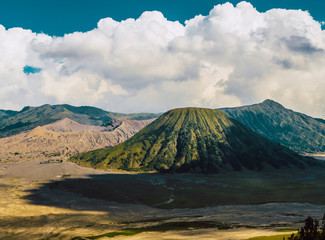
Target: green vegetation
273, 237
311, 230
12, 122
286, 230
294, 130
136, 116
66, 175
31, 117
169, 226
7, 113
193, 140
125, 232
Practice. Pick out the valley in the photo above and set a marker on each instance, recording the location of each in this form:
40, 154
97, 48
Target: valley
193, 173
162, 120
66, 201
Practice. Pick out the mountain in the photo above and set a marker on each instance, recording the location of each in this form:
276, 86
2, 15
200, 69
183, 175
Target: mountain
64, 138
294, 130
30, 117
136, 116
194, 140
7, 113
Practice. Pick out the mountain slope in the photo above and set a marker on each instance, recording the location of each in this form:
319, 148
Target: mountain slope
65, 138
196, 140
7, 113
294, 130
68, 125
136, 116
31, 117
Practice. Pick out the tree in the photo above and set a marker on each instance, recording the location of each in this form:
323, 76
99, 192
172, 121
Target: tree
323, 228
310, 230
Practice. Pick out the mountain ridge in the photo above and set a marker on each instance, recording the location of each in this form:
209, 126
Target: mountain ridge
7, 113
64, 138
31, 117
193, 140
295, 130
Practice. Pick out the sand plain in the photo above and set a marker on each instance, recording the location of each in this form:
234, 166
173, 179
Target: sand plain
28, 210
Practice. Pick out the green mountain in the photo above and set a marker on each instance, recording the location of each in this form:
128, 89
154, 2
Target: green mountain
7, 113
194, 140
136, 116
31, 117
294, 130
12, 122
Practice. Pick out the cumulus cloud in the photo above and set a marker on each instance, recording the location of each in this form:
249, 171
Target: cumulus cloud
233, 56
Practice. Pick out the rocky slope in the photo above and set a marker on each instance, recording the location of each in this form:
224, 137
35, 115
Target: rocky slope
294, 130
194, 140
28, 118
65, 138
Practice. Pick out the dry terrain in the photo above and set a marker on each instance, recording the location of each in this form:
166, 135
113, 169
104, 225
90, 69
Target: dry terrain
34, 206
65, 138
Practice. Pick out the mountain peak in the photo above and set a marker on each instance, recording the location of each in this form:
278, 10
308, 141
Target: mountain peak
26, 108
292, 129
272, 103
193, 140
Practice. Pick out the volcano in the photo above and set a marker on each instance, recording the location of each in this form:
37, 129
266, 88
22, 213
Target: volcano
195, 140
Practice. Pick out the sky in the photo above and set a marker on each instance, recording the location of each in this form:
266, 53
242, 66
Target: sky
59, 17
151, 56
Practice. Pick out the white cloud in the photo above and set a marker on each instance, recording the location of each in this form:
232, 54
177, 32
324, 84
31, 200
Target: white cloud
235, 55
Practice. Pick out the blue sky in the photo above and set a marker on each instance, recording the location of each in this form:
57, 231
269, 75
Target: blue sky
218, 54
57, 17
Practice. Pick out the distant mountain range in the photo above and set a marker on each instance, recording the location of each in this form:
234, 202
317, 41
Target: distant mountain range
270, 119
59, 131
294, 130
64, 138
13, 122
195, 140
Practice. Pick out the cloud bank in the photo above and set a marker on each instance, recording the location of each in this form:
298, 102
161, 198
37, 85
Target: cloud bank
235, 55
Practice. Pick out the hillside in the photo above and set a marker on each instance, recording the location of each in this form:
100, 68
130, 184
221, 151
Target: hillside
30, 117
65, 138
7, 113
194, 140
294, 130
136, 116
